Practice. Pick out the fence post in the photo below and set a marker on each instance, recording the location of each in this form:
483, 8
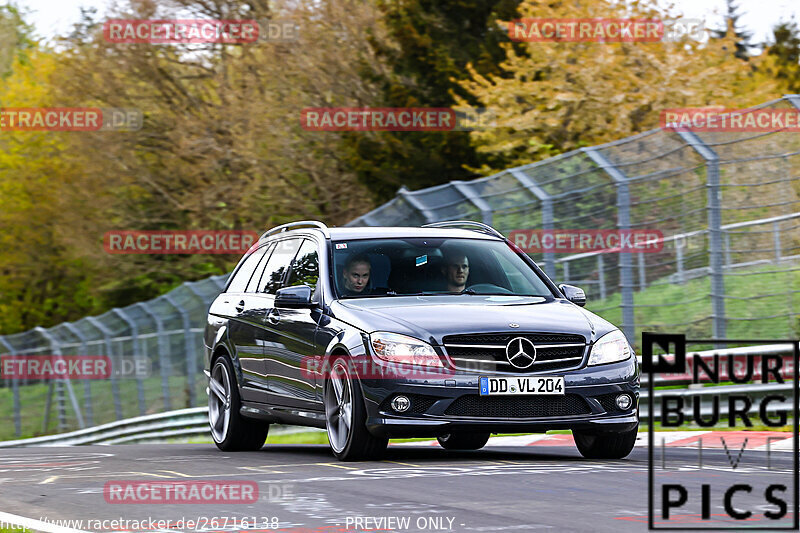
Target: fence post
60, 383
714, 199
192, 286
642, 279
163, 360
623, 223
601, 279
679, 260
483, 206
15, 392
87, 384
417, 204
136, 355
776, 239
109, 349
191, 356
547, 214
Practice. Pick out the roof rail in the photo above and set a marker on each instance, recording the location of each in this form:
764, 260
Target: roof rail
297, 225
471, 224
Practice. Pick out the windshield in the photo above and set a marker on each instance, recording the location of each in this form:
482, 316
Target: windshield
413, 266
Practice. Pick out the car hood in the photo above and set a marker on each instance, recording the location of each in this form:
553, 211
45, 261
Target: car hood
432, 317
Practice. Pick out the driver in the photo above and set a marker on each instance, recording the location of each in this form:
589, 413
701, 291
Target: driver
356, 273
456, 271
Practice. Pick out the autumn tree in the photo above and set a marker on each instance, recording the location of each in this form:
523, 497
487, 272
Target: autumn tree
559, 96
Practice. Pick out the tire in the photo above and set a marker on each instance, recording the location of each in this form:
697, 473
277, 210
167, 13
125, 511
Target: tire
230, 430
605, 445
346, 416
463, 441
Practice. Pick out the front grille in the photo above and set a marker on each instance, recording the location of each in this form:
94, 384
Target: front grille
476, 406
486, 352
419, 403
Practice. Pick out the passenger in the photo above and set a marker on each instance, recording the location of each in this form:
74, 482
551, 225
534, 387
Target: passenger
456, 271
356, 273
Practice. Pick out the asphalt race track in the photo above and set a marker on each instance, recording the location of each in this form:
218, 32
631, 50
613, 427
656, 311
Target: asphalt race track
302, 488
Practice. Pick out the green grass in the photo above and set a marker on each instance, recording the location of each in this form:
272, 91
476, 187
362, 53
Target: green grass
20, 530
692, 316
33, 399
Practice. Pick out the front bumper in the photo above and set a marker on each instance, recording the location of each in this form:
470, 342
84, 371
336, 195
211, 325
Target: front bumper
590, 387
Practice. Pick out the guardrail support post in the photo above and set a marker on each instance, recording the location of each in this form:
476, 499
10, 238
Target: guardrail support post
136, 355
87, 384
714, 199
601, 278
483, 206
60, 384
191, 356
163, 360
547, 215
776, 239
642, 278
623, 223
15, 392
417, 204
110, 351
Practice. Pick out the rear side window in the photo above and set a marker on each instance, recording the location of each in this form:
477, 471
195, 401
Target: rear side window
242, 276
305, 267
277, 265
254, 279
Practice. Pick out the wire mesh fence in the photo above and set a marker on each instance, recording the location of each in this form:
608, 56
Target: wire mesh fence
725, 203
154, 347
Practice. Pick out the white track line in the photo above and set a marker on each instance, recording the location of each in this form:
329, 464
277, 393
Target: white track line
35, 525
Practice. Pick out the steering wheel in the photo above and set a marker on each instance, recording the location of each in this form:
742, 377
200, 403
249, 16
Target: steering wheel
489, 287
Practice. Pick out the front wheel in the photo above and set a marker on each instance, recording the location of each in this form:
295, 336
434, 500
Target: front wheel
230, 430
605, 445
346, 417
463, 441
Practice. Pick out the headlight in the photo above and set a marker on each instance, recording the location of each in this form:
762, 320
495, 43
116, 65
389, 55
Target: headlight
397, 348
610, 348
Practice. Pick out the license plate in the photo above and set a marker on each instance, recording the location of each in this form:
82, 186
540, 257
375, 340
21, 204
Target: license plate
551, 385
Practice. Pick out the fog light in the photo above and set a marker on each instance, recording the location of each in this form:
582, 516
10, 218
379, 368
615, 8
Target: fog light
401, 404
624, 402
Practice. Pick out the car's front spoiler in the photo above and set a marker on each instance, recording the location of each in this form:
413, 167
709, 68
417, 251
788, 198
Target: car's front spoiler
397, 427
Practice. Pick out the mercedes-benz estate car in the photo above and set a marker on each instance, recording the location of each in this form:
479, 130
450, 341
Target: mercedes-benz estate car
447, 330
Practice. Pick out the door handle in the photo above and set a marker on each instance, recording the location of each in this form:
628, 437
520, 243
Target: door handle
240, 307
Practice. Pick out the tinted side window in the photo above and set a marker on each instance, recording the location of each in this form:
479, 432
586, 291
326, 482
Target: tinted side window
242, 275
277, 265
253, 285
305, 267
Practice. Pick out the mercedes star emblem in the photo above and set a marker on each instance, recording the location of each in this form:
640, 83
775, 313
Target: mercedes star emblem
520, 352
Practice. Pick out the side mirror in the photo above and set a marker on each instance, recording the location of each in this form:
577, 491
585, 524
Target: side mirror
298, 297
573, 294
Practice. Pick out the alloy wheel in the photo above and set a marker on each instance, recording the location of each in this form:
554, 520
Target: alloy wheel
219, 402
339, 406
